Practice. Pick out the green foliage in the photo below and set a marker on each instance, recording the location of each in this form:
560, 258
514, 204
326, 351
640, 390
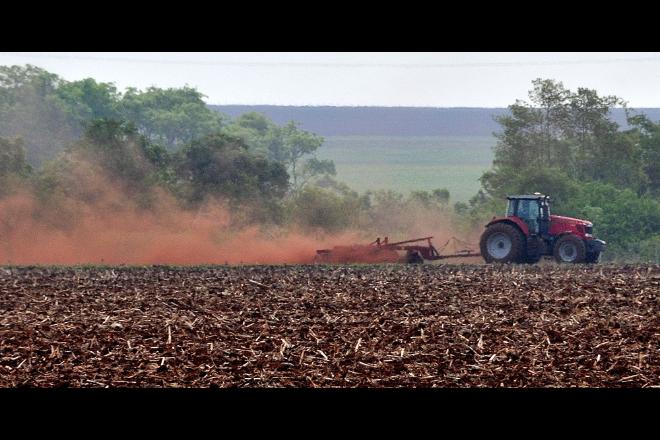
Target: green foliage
480, 207
87, 100
111, 156
124, 135
295, 145
31, 109
647, 133
391, 212
106, 138
171, 117
14, 169
12, 158
619, 215
221, 165
288, 145
647, 250
461, 208
255, 129
552, 181
123, 152
564, 145
442, 196
51, 113
564, 130
315, 208
314, 168
437, 197
333, 207
561, 143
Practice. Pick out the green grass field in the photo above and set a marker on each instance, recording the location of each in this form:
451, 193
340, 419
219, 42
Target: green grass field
406, 164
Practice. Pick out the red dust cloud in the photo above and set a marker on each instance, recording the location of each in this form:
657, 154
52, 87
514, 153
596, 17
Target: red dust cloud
117, 233
91, 224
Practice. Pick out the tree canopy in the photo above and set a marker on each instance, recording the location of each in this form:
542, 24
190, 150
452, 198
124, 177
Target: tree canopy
171, 117
563, 143
50, 113
288, 145
221, 165
76, 140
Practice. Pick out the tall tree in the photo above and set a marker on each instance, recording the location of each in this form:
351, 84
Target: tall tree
648, 136
560, 129
111, 156
219, 165
87, 100
31, 109
172, 117
289, 145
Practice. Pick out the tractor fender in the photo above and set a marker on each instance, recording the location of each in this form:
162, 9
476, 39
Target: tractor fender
556, 237
512, 221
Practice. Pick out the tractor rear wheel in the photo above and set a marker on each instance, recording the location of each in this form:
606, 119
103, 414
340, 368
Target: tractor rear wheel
502, 243
570, 249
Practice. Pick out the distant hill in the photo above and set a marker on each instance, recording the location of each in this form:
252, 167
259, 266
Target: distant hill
392, 121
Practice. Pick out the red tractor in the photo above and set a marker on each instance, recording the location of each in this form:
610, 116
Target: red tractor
529, 232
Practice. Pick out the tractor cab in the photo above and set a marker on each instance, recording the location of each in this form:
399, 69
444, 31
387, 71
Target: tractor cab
533, 209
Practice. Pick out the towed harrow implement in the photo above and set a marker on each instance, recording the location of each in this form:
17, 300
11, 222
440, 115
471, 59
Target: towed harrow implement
382, 251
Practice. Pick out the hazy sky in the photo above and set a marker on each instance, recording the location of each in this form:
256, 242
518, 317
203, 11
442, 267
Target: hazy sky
454, 79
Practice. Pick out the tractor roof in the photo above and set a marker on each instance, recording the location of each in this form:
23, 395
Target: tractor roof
527, 196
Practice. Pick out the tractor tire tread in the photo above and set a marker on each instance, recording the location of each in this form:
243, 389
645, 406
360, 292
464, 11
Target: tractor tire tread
579, 245
517, 254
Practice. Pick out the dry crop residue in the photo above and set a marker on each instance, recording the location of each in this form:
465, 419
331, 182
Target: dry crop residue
330, 326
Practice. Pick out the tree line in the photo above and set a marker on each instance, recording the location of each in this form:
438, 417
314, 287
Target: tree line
563, 143
560, 142
55, 134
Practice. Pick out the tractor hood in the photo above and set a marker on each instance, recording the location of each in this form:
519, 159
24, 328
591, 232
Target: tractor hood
569, 220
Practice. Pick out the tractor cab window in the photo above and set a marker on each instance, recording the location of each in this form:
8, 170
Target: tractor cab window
530, 211
511, 208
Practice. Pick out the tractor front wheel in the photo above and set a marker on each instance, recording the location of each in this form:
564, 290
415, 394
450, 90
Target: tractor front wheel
570, 249
502, 243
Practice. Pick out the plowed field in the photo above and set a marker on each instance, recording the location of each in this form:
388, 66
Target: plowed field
330, 326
